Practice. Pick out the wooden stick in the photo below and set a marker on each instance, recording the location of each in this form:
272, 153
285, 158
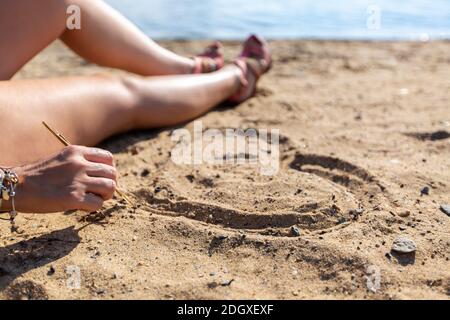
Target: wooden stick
58, 135
66, 142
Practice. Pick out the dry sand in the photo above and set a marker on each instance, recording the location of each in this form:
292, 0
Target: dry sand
363, 125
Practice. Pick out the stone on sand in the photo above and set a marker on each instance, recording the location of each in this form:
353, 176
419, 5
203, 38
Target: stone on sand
404, 245
295, 231
446, 209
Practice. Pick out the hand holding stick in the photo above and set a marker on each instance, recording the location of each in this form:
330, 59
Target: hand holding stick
64, 141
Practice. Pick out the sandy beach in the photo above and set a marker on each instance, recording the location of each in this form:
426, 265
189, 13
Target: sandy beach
364, 159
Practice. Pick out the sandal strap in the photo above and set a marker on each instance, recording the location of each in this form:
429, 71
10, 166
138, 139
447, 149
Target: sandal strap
205, 65
210, 60
241, 64
252, 63
245, 63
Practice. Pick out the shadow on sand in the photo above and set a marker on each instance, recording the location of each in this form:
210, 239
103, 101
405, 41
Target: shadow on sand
21, 257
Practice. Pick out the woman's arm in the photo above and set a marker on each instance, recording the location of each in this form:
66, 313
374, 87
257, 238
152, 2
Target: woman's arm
77, 178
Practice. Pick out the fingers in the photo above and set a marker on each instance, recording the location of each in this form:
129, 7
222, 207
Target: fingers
100, 170
93, 170
97, 155
91, 203
101, 187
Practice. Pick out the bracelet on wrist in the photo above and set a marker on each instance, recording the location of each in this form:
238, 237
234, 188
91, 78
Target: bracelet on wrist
8, 183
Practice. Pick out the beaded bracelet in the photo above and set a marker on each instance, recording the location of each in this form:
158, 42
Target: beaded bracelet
8, 183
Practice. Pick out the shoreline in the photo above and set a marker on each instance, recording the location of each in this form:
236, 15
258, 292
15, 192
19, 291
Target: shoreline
317, 39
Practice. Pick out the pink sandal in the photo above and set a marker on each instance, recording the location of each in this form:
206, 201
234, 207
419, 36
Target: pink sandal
255, 58
210, 60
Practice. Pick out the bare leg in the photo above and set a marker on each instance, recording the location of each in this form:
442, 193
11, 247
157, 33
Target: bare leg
124, 45
89, 109
105, 38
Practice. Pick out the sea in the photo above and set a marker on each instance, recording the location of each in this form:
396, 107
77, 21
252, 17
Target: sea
290, 19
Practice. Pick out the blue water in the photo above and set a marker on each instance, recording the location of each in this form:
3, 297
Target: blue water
324, 19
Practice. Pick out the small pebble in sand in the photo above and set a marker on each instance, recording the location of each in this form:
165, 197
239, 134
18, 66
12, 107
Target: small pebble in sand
51, 271
295, 231
134, 150
101, 291
425, 191
445, 208
403, 245
404, 214
342, 220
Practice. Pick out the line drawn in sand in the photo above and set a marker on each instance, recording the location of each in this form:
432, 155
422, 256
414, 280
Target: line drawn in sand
313, 193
